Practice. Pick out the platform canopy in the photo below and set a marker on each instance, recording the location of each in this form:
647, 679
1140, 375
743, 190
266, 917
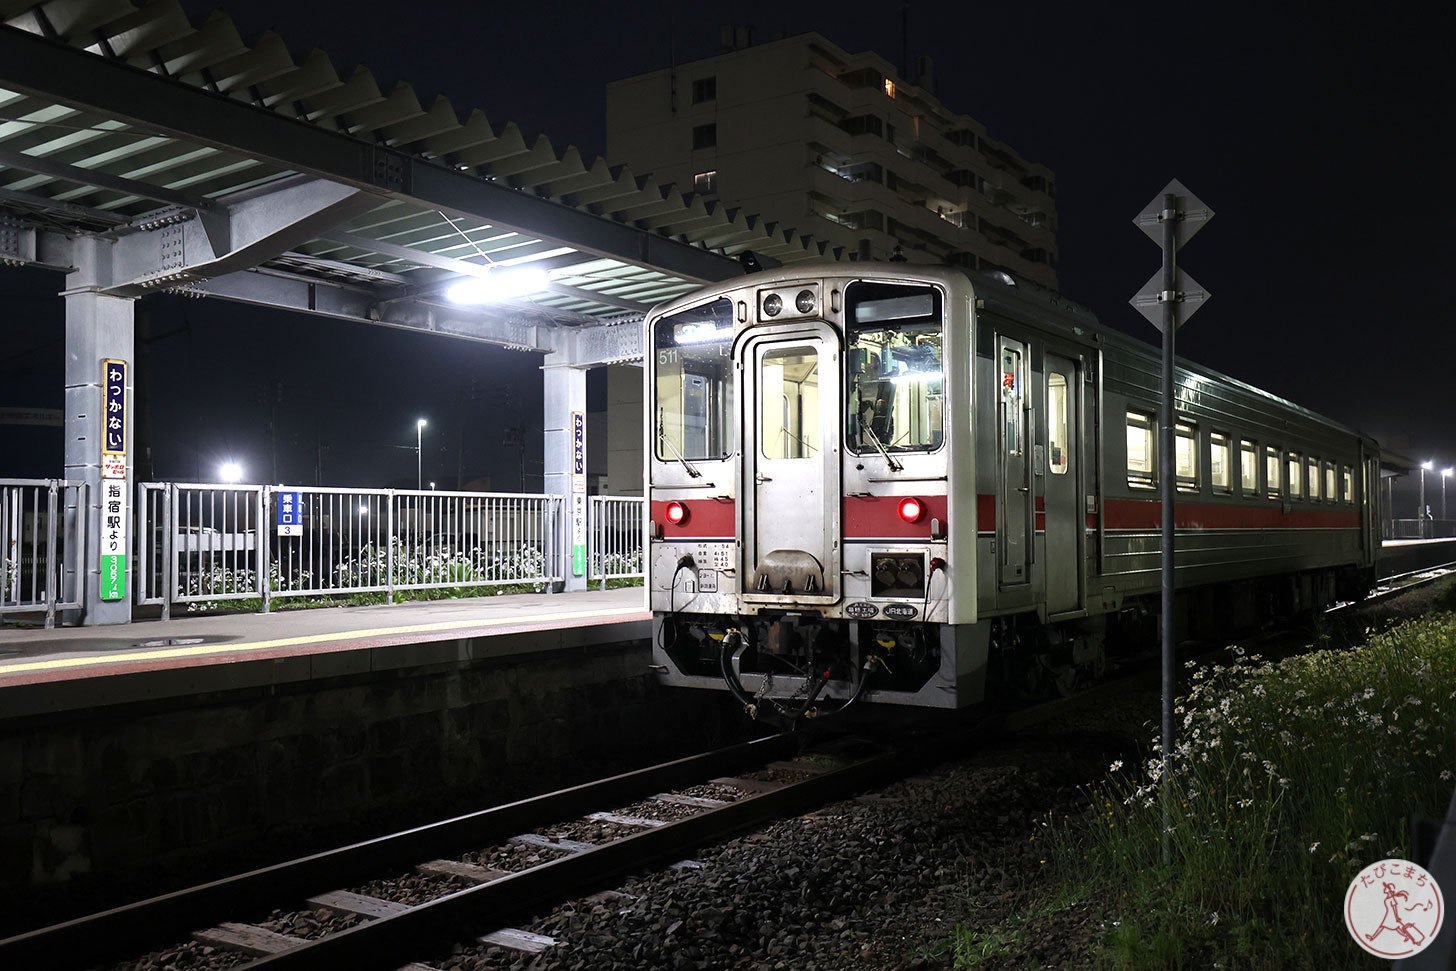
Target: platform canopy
202, 163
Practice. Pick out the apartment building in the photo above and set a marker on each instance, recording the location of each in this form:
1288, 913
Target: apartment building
840, 146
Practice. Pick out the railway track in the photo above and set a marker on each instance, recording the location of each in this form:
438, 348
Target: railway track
656, 816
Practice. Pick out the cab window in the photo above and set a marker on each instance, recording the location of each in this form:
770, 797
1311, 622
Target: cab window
693, 383
896, 383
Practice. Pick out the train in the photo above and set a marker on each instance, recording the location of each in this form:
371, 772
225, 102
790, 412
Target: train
931, 487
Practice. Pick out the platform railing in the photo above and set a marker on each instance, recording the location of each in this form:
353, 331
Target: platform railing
615, 543
204, 545
1419, 529
42, 546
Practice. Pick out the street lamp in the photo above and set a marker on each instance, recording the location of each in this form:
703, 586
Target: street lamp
231, 471
419, 434
1426, 466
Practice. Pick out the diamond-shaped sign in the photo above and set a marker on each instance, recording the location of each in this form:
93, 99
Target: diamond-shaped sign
1195, 215
1186, 291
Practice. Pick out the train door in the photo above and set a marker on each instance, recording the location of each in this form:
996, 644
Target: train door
791, 465
1061, 484
1013, 505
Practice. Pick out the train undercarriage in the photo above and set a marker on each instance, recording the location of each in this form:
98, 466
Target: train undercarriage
797, 664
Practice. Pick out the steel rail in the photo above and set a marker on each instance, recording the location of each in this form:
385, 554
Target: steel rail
100, 936
388, 942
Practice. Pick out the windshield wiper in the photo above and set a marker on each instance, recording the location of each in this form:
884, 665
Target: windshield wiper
662, 439
880, 446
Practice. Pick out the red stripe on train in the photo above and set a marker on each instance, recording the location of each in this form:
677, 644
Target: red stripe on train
1148, 514
879, 516
706, 519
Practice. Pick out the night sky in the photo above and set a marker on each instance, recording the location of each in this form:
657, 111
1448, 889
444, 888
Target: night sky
1318, 139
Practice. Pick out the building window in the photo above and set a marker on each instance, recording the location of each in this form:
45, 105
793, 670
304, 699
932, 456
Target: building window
1185, 456
1220, 466
1296, 483
1140, 451
705, 89
706, 182
705, 136
1248, 467
1273, 473
889, 88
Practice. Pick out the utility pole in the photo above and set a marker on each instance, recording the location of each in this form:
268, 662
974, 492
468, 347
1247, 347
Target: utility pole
1167, 301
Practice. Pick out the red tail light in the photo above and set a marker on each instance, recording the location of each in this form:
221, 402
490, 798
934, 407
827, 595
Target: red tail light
911, 510
677, 513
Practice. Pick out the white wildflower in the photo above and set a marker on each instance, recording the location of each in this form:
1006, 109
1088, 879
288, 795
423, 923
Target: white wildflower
1115, 766
1446, 775
1314, 846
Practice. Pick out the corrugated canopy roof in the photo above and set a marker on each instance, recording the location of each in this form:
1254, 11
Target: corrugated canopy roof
90, 145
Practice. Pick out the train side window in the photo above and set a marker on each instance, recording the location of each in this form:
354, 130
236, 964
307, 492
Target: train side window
1296, 477
1349, 484
1314, 479
1273, 473
1185, 456
1248, 467
1330, 494
1220, 467
1058, 433
1140, 459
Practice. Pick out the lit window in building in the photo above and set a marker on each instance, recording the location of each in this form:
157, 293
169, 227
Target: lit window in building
889, 88
706, 182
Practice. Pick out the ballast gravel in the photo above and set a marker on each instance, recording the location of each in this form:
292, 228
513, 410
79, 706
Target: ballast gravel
877, 881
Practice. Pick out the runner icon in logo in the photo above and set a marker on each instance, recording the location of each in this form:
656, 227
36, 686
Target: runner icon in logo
1393, 909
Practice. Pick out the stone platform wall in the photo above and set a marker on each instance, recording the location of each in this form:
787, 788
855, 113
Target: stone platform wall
105, 806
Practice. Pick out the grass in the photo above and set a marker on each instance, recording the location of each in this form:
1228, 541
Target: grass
1286, 780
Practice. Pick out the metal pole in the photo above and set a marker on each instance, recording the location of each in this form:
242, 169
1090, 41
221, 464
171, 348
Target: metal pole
1166, 473
1421, 509
419, 437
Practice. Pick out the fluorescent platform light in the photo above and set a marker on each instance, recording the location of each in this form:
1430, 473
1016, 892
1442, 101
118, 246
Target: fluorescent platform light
498, 285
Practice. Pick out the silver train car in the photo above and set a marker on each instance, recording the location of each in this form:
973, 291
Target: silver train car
927, 487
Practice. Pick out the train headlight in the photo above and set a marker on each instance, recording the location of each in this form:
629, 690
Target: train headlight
805, 301
772, 304
911, 510
677, 513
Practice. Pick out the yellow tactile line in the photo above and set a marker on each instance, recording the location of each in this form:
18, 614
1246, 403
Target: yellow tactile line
203, 650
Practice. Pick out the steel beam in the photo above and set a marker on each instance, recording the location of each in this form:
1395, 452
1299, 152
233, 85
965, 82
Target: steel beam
46, 69
40, 165
281, 291
252, 230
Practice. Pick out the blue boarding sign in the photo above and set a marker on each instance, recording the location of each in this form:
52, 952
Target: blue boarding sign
288, 509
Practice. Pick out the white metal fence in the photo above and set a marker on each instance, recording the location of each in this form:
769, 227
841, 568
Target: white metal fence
42, 550
205, 544
201, 544
615, 544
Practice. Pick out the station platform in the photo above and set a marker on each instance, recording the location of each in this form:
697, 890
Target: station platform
188, 655
1407, 555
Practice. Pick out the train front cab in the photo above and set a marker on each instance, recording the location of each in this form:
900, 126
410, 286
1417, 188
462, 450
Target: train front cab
804, 433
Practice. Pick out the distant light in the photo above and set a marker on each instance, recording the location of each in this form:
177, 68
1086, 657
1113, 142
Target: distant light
231, 472
421, 423
432, 485
1447, 472
498, 285
1428, 465
363, 509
